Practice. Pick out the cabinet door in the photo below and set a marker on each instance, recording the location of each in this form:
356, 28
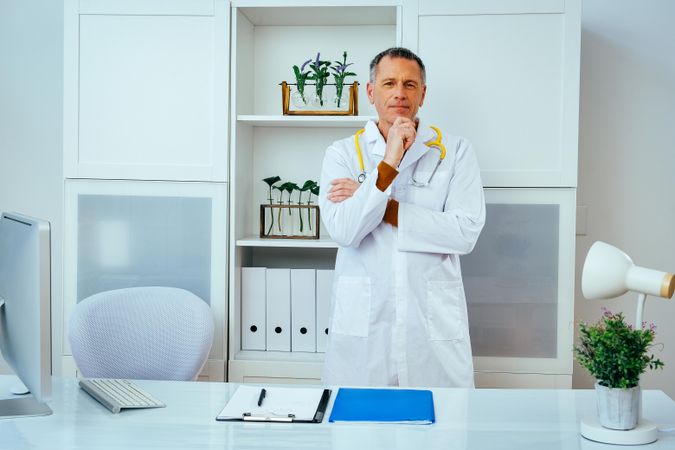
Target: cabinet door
146, 89
126, 233
505, 74
519, 282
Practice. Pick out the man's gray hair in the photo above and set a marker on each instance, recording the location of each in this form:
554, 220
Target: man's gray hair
397, 52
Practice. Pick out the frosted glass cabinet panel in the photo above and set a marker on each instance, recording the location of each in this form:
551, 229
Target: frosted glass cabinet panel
505, 74
146, 90
123, 241
519, 282
123, 234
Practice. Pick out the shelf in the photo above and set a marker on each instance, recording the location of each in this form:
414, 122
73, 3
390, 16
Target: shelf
260, 355
254, 241
304, 121
263, 13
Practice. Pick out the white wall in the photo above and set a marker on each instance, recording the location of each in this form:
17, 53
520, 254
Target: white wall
627, 155
31, 85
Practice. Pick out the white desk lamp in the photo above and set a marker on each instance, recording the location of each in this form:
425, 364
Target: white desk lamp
608, 272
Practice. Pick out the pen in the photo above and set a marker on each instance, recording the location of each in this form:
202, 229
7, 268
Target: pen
262, 396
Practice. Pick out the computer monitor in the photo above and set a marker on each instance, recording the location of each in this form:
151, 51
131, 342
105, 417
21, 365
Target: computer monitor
25, 311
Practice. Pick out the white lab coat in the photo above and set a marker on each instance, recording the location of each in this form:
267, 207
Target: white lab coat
398, 314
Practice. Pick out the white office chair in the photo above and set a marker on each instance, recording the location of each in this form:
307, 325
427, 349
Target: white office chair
150, 333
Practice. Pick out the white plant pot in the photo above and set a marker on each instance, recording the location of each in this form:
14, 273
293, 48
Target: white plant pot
618, 409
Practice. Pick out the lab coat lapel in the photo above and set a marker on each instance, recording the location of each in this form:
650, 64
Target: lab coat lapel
415, 152
375, 144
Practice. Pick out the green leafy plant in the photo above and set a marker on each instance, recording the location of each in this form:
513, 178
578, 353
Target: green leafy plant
281, 188
307, 186
339, 74
301, 77
615, 353
311, 187
270, 182
290, 187
314, 190
320, 75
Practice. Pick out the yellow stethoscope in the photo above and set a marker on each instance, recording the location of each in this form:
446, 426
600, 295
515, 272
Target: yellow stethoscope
437, 143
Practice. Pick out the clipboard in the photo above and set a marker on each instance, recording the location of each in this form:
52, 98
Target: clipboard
276, 404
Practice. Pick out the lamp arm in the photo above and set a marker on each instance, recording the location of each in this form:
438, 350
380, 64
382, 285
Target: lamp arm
640, 311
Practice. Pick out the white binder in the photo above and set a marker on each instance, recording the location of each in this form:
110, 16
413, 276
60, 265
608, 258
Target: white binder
303, 310
278, 309
324, 292
253, 308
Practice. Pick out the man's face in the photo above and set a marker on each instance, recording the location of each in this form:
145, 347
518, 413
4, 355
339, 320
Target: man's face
398, 89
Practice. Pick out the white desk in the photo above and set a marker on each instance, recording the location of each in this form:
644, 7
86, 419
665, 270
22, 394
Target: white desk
476, 419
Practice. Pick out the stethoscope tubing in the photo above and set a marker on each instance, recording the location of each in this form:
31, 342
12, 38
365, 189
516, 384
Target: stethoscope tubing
437, 143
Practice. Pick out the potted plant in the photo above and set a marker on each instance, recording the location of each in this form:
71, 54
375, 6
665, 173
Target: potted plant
301, 77
616, 354
339, 74
320, 76
293, 229
308, 186
297, 100
270, 183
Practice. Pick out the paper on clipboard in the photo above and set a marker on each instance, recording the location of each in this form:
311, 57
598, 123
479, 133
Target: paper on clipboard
279, 402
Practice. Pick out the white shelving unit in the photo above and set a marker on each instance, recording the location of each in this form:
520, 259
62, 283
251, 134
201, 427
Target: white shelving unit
255, 241
519, 107
265, 143
303, 121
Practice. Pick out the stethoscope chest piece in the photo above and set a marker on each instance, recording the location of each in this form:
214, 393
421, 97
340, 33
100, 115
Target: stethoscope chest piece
361, 178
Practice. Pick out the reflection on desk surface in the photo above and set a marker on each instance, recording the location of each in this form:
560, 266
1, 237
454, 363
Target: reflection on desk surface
465, 419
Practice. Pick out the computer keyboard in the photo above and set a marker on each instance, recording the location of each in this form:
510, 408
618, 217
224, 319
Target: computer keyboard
118, 394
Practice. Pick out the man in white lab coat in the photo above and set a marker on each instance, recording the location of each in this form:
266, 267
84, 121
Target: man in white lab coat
402, 208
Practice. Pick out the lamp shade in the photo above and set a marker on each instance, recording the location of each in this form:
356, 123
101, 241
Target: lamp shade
608, 272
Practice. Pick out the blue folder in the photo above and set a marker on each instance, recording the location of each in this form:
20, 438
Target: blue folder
383, 405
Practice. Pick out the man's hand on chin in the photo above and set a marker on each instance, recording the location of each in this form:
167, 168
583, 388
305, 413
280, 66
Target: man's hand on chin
401, 136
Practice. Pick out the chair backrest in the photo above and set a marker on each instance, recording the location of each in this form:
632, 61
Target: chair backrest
150, 333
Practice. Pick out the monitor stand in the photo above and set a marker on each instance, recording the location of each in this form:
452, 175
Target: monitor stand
19, 389
23, 407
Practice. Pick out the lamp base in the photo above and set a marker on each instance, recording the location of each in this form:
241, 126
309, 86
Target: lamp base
644, 433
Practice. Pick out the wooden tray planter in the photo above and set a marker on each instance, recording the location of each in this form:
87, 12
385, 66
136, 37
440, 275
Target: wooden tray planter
348, 104
289, 228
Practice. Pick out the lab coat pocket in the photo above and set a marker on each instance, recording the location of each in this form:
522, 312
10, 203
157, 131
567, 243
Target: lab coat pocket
444, 310
430, 196
351, 314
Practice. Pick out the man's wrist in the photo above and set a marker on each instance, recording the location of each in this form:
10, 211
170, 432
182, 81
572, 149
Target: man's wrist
391, 162
385, 175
